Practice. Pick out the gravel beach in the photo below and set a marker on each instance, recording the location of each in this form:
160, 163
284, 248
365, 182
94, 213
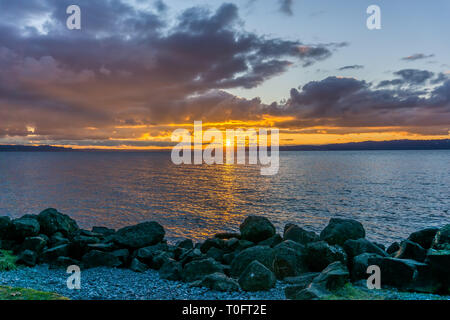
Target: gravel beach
123, 284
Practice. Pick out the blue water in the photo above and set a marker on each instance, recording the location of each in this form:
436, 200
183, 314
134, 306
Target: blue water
393, 193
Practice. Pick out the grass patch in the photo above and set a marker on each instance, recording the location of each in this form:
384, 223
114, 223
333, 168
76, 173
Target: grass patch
8, 293
349, 292
7, 261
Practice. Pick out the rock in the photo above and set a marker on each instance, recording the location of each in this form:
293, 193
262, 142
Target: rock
138, 266
197, 269
302, 280
300, 235
55, 252
439, 262
97, 258
186, 244
227, 235
313, 292
148, 254
215, 253
393, 248
256, 229
395, 272
244, 244
171, 270
411, 250
35, 244
78, 247
297, 247
219, 282
441, 240
122, 255
103, 230
257, 277
232, 244
191, 255
333, 277
263, 254
340, 230
320, 254
212, 243
58, 239
272, 241
424, 237
27, 257
380, 245
6, 227
288, 262
360, 264
356, 247
159, 260
229, 257
26, 226
109, 246
64, 262
140, 235
52, 221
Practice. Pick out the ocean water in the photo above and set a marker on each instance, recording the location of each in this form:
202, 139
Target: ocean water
393, 193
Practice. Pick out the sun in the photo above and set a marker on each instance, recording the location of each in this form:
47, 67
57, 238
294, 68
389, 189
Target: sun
228, 143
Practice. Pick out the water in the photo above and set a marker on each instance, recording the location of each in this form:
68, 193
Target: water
393, 193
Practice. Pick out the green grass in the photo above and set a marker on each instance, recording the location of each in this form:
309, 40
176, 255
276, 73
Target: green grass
7, 261
349, 292
8, 293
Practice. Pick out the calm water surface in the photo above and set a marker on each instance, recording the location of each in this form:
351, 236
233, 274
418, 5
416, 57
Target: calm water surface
393, 193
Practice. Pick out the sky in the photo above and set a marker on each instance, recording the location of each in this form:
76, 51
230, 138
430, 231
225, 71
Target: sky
139, 69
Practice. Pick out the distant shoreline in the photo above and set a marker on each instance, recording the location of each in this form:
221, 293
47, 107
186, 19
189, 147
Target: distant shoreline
401, 145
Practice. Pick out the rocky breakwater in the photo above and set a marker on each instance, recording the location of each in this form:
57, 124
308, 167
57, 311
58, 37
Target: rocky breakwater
314, 266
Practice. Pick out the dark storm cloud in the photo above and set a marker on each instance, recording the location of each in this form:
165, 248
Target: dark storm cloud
352, 67
128, 66
129, 73
417, 56
348, 102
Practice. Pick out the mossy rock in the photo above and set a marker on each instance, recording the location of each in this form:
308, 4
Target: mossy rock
8, 293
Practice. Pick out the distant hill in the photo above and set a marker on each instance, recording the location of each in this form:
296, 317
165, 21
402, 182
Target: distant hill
367, 145
6, 148
375, 145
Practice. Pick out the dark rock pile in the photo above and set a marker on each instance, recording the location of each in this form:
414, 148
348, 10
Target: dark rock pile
313, 265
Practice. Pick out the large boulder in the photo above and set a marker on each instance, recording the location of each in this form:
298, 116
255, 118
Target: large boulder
55, 252
256, 229
197, 269
6, 227
263, 254
333, 277
140, 235
97, 258
439, 262
411, 250
148, 254
441, 240
219, 282
171, 270
27, 257
52, 221
138, 266
312, 292
340, 230
26, 226
393, 248
399, 273
424, 237
288, 262
257, 277
35, 244
354, 248
319, 255
298, 234
360, 264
